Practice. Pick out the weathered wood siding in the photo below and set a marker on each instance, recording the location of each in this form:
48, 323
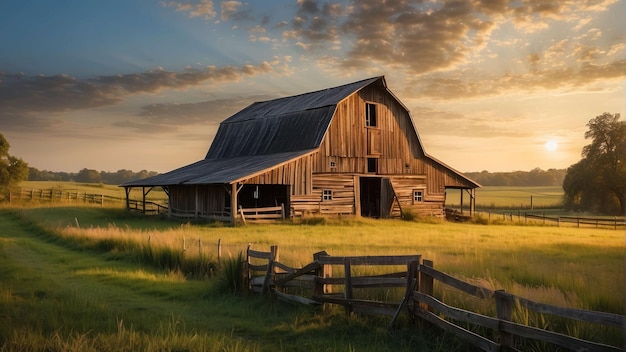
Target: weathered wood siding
343, 196
432, 203
296, 173
207, 199
348, 142
393, 143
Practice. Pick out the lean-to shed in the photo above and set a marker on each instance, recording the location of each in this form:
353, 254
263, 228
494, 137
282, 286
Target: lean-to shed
351, 149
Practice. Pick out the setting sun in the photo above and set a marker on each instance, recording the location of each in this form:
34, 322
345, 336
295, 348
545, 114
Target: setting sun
551, 146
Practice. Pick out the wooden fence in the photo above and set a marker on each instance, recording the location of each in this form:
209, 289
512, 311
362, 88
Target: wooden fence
616, 222
57, 195
314, 284
267, 214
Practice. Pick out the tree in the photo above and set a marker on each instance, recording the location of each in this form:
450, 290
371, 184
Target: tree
12, 170
88, 176
598, 181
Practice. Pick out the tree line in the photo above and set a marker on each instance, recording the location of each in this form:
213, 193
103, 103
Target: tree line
89, 176
597, 183
533, 178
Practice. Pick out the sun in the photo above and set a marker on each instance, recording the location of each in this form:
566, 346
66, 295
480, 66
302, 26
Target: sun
551, 146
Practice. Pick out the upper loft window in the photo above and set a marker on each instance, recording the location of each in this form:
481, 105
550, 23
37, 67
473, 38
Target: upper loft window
371, 120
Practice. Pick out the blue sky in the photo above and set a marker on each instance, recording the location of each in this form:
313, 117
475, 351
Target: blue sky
112, 85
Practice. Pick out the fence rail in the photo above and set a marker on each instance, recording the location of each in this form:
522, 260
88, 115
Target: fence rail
314, 284
615, 222
58, 195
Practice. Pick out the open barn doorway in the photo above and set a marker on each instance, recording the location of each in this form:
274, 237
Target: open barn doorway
262, 196
376, 196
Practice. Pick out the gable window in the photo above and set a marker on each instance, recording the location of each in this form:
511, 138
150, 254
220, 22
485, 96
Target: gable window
327, 194
370, 115
418, 195
372, 165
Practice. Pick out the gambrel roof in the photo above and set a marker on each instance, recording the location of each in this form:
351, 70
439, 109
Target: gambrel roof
265, 135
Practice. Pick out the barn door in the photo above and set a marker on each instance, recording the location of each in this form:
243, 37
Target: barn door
387, 196
373, 141
370, 196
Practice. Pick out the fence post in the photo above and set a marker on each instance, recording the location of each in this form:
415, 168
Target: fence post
323, 272
270, 268
219, 249
504, 307
426, 282
347, 267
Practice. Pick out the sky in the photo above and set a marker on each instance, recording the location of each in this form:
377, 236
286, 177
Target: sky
496, 85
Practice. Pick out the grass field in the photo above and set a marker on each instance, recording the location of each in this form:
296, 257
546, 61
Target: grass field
486, 197
494, 197
70, 280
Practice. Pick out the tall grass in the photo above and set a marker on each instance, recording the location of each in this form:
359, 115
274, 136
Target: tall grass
545, 264
568, 267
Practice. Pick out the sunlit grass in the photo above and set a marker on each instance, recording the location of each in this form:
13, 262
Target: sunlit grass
583, 263
568, 267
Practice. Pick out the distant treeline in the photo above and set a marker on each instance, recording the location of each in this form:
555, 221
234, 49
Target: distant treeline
89, 176
535, 177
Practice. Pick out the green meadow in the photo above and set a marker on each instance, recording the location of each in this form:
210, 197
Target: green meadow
98, 278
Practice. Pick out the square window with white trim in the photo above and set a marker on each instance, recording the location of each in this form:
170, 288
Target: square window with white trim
327, 194
418, 196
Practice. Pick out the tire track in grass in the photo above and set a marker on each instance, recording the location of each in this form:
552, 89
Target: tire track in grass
82, 290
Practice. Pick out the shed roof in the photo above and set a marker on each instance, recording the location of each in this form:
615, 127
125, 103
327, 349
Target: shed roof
215, 171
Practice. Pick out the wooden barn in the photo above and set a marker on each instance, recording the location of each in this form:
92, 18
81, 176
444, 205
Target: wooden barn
351, 149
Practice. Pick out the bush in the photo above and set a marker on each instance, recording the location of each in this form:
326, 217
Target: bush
408, 215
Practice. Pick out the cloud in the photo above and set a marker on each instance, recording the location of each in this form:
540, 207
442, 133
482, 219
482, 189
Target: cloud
32, 100
203, 8
461, 86
168, 117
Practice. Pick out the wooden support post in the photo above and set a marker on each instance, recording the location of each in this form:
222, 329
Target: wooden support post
357, 196
196, 211
143, 193
233, 203
426, 282
461, 202
504, 307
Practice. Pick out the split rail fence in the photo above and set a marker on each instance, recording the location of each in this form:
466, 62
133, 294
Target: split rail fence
616, 222
315, 284
52, 195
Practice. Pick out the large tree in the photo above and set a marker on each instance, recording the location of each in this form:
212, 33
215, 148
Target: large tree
12, 169
598, 181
